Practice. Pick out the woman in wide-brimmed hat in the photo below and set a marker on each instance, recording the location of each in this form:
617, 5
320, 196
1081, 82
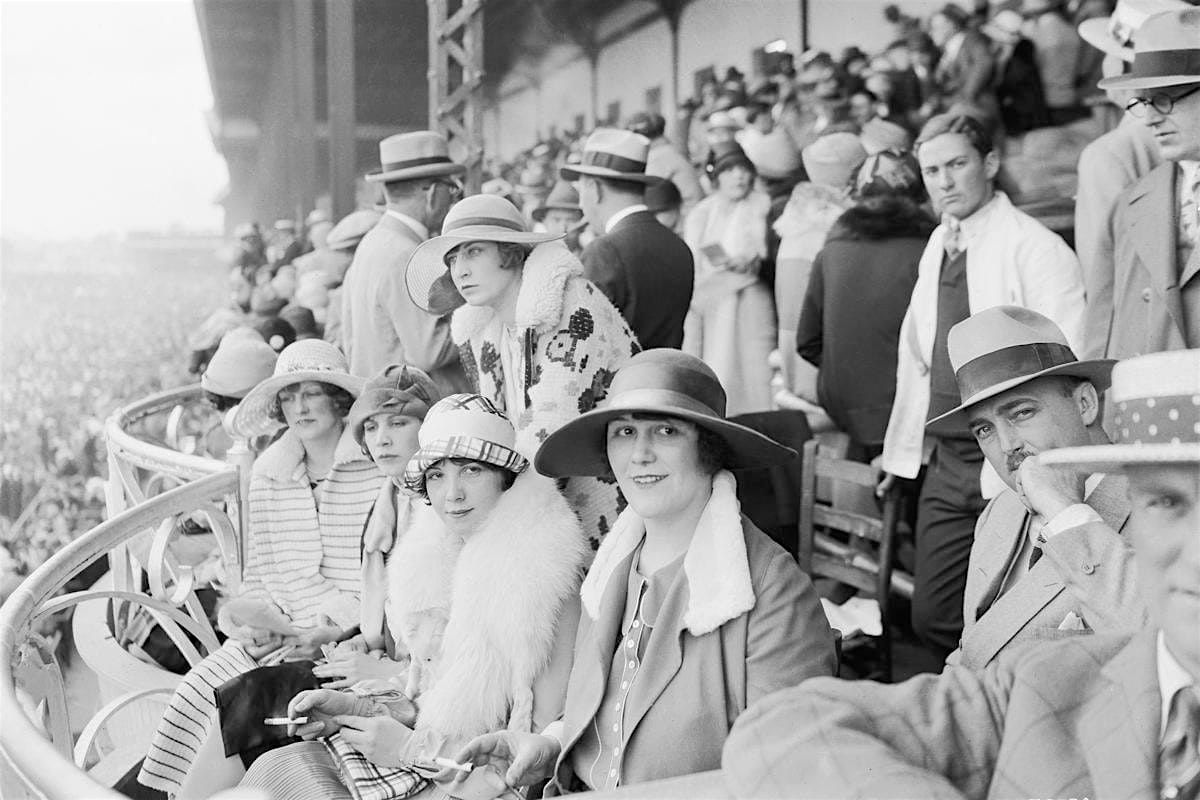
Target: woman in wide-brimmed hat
537, 338
690, 612
482, 593
310, 493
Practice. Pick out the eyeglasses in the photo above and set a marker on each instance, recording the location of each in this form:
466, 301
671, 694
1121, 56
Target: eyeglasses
1162, 102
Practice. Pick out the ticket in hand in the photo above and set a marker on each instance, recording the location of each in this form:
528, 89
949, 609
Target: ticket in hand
285, 720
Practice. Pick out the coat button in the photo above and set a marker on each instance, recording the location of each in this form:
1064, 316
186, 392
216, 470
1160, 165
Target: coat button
1146, 294
1088, 569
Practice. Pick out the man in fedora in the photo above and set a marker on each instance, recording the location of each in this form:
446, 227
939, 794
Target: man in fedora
1048, 560
1110, 164
1156, 289
645, 269
1108, 715
380, 323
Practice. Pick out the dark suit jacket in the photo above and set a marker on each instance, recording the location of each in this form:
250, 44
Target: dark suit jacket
647, 273
969, 76
1076, 718
1153, 299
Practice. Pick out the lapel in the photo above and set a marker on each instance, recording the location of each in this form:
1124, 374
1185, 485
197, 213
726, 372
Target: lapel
1118, 726
1153, 232
1191, 268
995, 546
664, 655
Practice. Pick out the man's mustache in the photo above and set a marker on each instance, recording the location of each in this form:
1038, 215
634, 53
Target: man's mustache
1013, 460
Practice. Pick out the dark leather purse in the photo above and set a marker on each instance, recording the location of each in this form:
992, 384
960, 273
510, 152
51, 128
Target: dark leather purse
245, 701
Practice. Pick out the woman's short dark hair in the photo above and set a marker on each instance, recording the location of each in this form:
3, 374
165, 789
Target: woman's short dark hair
512, 255
220, 402
342, 400
508, 477
712, 451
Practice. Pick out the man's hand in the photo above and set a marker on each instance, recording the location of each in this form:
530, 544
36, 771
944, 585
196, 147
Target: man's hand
346, 669
887, 479
523, 758
321, 706
380, 739
1047, 490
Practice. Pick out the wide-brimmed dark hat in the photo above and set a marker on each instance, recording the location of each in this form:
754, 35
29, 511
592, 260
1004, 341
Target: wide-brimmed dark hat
1156, 398
612, 154
1166, 52
665, 382
1005, 346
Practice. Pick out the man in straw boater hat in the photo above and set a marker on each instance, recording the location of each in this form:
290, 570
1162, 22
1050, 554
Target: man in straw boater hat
1156, 293
645, 269
380, 323
1048, 559
1108, 715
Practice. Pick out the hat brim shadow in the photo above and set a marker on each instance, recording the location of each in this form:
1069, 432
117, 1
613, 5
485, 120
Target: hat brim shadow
572, 172
415, 173
427, 278
1115, 457
253, 413
1096, 371
578, 448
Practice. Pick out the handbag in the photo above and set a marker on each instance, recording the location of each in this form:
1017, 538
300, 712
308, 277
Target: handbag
245, 701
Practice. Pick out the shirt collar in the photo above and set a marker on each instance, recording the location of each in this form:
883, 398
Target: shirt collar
1091, 482
969, 225
622, 214
1189, 173
418, 227
1172, 677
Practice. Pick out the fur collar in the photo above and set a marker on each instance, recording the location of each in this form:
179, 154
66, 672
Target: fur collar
284, 460
539, 300
886, 218
502, 593
716, 565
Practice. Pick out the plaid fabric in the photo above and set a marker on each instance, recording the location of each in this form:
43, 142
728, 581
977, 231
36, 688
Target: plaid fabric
369, 782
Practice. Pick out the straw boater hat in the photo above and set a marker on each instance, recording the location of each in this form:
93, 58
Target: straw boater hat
1157, 402
662, 381
463, 426
614, 154
305, 360
479, 218
1165, 53
1005, 346
563, 197
1114, 34
410, 156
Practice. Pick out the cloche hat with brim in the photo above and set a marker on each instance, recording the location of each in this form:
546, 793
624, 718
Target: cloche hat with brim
1156, 399
479, 218
305, 360
1115, 34
397, 389
662, 381
1003, 347
239, 364
613, 154
1166, 52
562, 197
415, 155
463, 426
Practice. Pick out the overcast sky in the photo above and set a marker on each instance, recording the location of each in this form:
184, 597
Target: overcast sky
102, 124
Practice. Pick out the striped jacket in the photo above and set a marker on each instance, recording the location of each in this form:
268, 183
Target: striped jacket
303, 551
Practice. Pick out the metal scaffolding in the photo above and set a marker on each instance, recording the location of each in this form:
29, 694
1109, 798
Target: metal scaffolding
456, 78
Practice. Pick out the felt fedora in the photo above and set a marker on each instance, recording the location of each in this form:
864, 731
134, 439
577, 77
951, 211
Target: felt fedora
1156, 398
1166, 52
562, 197
478, 218
410, 156
305, 360
662, 381
1114, 34
1003, 347
614, 154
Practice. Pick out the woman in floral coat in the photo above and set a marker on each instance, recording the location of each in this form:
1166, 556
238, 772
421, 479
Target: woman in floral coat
536, 338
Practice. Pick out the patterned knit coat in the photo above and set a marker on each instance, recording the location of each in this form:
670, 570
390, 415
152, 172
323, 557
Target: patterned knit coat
572, 340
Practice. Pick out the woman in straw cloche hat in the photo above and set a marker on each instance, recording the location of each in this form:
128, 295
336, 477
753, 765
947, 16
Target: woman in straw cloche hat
690, 612
537, 338
310, 493
482, 592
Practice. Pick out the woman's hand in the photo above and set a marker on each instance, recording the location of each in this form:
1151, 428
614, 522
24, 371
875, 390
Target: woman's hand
346, 669
321, 706
380, 739
308, 644
523, 758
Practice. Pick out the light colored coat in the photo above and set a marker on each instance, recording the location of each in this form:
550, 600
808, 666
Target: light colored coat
573, 342
302, 558
1012, 259
733, 628
380, 323
1087, 571
1152, 297
1076, 718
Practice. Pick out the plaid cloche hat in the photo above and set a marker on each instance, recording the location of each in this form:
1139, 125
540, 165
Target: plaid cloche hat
397, 389
463, 426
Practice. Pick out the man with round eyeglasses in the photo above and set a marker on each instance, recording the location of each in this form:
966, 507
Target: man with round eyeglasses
1156, 289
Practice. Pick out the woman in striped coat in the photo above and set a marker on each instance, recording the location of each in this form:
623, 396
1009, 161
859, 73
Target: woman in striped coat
310, 493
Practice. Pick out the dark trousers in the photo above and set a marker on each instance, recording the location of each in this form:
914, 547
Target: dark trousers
947, 509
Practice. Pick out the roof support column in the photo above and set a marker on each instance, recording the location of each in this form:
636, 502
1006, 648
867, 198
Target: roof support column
339, 69
304, 132
456, 78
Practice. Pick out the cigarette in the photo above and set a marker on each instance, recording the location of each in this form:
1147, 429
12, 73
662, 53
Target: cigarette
285, 720
450, 763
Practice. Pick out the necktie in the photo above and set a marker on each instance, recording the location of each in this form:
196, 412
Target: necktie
1038, 541
952, 241
1189, 211
1179, 754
